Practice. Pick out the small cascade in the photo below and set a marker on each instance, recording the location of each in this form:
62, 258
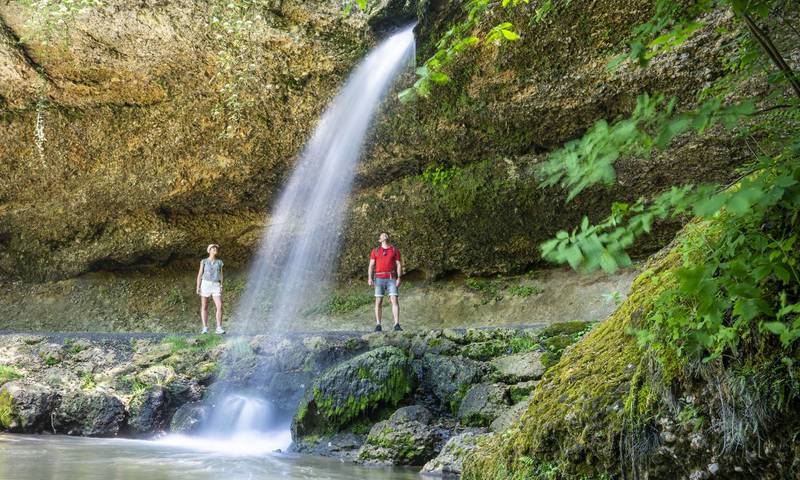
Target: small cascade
239, 425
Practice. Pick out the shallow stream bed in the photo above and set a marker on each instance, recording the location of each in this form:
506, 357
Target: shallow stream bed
46, 457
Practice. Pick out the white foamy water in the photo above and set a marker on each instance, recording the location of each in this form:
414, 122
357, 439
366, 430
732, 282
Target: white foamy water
296, 255
245, 444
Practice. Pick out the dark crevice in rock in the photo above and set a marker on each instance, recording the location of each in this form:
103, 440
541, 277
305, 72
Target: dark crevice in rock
20, 47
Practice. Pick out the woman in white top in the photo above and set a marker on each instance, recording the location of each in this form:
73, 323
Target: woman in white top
209, 284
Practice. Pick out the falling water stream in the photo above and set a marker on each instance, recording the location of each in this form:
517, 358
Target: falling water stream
296, 255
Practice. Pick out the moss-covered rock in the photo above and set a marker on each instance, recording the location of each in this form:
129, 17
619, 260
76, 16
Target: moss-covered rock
359, 387
406, 438
89, 413
25, 406
449, 378
609, 409
189, 418
483, 403
147, 411
451, 458
519, 367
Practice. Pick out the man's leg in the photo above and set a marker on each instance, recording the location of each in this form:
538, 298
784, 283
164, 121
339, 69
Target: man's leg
378, 309
204, 311
395, 309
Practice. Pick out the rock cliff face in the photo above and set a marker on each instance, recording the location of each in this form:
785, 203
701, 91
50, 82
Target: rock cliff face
131, 168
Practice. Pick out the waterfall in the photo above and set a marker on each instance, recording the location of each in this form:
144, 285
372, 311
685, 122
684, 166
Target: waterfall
296, 254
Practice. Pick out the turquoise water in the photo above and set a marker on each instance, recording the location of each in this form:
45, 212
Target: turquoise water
56, 457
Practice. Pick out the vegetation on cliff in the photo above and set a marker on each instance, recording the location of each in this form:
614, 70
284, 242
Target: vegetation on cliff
700, 364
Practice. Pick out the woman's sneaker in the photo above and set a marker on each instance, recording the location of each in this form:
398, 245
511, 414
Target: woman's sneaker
205, 330
220, 331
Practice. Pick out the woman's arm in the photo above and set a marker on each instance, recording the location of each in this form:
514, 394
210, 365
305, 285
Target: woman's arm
221, 278
199, 277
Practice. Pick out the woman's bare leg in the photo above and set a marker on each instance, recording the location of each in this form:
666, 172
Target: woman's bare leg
218, 304
204, 311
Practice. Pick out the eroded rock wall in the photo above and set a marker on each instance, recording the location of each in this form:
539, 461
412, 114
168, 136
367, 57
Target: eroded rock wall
136, 170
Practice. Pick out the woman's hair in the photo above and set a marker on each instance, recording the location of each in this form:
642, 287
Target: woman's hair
208, 248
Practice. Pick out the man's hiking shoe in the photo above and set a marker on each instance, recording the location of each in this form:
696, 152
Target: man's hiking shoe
220, 331
378, 328
205, 330
397, 327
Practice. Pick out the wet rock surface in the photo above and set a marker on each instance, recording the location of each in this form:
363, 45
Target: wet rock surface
26, 406
406, 438
89, 413
450, 460
358, 387
391, 398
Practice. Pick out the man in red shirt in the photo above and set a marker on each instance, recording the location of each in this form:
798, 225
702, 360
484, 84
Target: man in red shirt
384, 264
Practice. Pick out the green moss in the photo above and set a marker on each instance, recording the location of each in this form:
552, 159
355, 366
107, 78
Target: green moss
558, 343
523, 343
339, 304
578, 401
352, 344
485, 350
455, 402
8, 374
87, 381
50, 361
6, 409
565, 328
519, 393
200, 343
327, 410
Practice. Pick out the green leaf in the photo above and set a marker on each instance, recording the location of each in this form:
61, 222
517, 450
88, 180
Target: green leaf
510, 35
574, 256
439, 77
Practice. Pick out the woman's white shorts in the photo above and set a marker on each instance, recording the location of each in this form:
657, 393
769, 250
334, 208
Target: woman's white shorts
208, 289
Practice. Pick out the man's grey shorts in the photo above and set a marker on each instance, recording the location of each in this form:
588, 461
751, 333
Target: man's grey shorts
385, 286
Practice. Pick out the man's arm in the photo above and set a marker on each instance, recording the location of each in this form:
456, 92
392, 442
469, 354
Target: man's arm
399, 272
369, 271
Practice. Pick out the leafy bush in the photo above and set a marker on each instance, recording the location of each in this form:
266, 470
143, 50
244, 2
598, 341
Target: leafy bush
740, 279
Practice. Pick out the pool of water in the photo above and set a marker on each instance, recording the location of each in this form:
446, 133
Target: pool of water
45, 457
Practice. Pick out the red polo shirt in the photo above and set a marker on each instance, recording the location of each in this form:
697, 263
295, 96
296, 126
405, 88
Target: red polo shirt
385, 258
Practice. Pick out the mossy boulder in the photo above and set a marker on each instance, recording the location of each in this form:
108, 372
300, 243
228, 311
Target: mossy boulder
485, 350
361, 386
147, 411
25, 406
483, 403
450, 460
406, 438
89, 413
189, 418
610, 409
448, 378
519, 367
